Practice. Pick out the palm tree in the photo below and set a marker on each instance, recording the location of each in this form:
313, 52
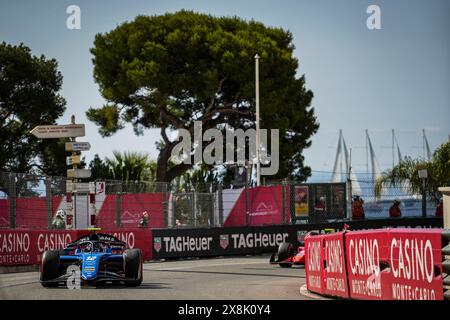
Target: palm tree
131, 166
407, 173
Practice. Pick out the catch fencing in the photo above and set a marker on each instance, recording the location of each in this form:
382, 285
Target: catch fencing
30, 201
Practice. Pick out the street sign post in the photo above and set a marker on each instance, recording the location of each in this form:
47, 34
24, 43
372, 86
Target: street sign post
59, 131
78, 146
73, 160
78, 173
71, 131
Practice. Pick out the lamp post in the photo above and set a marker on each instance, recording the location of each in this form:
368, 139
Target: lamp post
258, 137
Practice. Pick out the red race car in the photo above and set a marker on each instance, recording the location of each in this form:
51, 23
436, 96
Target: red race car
287, 256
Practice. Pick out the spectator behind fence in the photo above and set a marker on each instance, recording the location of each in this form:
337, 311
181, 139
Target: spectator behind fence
143, 223
440, 208
394, 210
358, 208
58, 222
320, 209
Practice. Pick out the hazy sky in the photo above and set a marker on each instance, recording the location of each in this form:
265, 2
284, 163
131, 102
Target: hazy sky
397, 77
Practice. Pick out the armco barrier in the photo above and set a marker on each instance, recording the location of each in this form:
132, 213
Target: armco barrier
334, 267
314, 263
367, 258
416, 264
26, 247
389, 264
446, 262
19, 247
207, 242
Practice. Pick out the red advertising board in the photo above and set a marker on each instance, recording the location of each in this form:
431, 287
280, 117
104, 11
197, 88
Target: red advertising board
334, 268
314, 263
265, 207
415, 260
367, 264
133, 205
27, 247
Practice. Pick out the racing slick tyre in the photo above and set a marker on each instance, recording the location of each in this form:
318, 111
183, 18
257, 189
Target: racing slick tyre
133, 267
285, 250
50, 268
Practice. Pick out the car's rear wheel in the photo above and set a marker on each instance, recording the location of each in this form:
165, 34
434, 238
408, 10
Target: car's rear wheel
133, 267
285, 265
285, 250
49, 268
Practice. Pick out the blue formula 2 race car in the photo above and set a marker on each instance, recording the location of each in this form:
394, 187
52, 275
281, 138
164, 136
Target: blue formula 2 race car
99, 258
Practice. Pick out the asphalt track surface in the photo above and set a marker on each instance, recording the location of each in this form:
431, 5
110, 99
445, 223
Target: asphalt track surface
236, 278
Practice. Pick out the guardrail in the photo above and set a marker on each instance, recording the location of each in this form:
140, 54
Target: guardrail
388, 264
25, 247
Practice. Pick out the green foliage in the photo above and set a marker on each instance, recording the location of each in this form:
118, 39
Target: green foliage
99, 169
29, 87
126, 166
200, 179
408, 171
168, 71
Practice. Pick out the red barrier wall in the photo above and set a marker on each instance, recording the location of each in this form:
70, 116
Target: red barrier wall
314, 263
4, 213
388, 264
30, 212
133, 205
367, 261
416, 265
266, 207
334, 267
26, 247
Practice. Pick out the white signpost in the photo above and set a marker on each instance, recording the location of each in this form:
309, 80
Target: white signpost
79, 173
70, 131
78, 146
59, 131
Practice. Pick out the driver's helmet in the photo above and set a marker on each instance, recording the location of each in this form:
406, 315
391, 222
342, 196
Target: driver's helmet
98, 247
88, 247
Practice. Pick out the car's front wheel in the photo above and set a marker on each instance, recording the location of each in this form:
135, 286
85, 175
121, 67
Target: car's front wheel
133, 267
49, 268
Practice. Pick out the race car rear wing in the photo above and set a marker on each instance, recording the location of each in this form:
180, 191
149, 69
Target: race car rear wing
100, 237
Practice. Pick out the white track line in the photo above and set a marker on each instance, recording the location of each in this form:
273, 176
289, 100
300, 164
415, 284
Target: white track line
305, 292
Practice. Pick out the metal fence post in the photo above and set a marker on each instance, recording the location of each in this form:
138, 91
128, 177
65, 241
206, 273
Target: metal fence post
48, 201
12, 201
165, 206
283, 191
247, 205
119, 207
194, 211
220, 204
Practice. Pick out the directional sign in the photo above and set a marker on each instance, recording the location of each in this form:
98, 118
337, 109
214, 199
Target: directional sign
73, 160
78, 146
79, 173
82, 187
59, 131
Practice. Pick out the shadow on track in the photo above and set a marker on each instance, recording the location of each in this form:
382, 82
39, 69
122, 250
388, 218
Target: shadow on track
230, 273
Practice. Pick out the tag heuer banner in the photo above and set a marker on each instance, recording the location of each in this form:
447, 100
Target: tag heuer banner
181, 242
